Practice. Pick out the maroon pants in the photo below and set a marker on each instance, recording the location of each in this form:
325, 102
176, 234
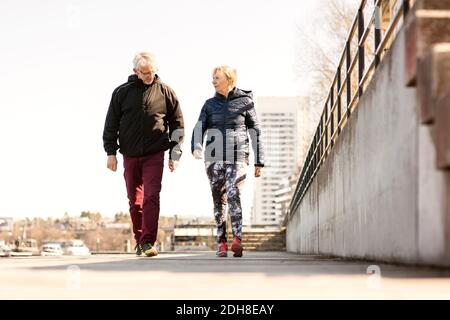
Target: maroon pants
143, 177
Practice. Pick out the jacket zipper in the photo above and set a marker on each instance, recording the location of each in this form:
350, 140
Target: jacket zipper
224, 145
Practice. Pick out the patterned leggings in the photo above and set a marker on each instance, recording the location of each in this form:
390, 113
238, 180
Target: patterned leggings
226, 182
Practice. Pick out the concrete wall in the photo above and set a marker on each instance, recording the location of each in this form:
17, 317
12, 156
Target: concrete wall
378, 195
433, 204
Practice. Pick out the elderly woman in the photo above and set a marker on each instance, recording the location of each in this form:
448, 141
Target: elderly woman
228, 119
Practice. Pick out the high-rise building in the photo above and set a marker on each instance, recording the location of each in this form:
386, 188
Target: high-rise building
286, 124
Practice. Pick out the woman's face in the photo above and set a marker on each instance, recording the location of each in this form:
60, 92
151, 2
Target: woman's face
220, 82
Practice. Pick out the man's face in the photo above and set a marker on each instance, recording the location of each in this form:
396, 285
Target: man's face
146, 74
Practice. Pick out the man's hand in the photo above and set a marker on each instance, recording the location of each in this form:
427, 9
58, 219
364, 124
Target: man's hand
257, 172
198, 154
112, 163
173, 165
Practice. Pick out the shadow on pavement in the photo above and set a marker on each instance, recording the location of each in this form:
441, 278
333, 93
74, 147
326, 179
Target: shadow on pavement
268, 263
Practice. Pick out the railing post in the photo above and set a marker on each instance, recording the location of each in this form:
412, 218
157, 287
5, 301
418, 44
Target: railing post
361, 51
406, 8
377, 33
338, 97
315, 150
319, 129
308, 173
313, 156
326, 122
321, 139
331, 115
349, 77
318, 146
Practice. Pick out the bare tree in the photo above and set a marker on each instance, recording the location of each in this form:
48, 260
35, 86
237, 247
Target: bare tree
319, 52
107, 239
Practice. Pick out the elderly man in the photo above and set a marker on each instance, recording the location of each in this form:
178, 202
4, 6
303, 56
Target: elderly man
145, 117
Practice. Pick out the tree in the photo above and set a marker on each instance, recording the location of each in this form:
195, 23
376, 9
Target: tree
95, 217
121, 217
319, 53
108, 239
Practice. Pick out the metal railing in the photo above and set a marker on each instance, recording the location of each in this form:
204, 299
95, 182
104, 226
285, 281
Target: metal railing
364, 49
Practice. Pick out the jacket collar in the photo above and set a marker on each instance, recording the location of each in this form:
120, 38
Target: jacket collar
134, 78
231, 94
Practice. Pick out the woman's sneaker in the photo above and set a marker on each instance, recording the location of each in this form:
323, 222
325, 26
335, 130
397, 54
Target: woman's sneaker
149, 250
222, 250
237, 247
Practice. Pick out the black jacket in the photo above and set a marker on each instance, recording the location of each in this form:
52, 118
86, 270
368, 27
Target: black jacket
142, 117
227, 123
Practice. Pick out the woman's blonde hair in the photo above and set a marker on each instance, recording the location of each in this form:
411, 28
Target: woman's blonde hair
230, 74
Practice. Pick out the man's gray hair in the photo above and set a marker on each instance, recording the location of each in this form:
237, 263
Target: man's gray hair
144, 58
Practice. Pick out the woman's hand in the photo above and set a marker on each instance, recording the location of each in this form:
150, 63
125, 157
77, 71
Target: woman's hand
257, 172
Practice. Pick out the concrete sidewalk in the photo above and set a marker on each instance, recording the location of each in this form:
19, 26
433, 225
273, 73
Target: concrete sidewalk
200, 275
